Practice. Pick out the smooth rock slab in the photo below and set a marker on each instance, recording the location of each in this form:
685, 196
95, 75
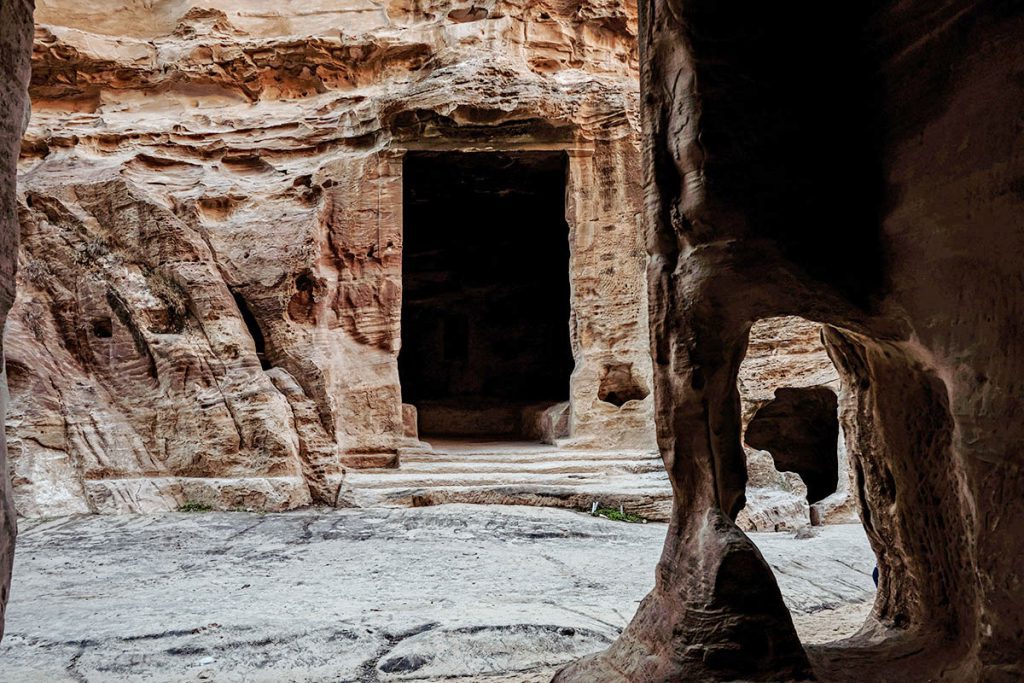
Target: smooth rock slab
454, 591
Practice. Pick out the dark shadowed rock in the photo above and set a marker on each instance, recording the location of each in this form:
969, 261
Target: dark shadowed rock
859, 174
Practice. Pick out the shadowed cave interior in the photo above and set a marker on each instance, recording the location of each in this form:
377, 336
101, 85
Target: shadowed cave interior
485, 311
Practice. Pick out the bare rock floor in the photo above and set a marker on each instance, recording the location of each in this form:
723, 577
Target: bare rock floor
453, 592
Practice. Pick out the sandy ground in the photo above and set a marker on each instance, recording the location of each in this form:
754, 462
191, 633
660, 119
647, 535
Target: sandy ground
454, 593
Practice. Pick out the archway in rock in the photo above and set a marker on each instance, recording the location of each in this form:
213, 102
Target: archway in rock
799, 484
751, 121
486, 297
796, 464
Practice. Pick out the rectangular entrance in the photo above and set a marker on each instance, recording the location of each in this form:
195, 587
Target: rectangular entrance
486, 295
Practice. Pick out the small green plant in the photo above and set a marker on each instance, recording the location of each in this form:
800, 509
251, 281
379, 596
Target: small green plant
194, 506
619, 515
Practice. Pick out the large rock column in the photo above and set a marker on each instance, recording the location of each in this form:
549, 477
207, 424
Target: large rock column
865, 174
15, 49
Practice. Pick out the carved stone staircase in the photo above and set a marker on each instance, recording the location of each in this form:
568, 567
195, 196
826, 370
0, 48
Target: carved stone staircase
516, 473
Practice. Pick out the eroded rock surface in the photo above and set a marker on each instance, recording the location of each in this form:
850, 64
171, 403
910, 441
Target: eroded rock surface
914, 262
15, 40
211, 207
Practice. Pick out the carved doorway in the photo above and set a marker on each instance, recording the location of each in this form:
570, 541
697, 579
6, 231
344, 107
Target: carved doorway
486, 295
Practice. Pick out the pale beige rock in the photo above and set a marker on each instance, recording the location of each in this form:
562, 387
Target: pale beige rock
783, 351
434, 595
410, 421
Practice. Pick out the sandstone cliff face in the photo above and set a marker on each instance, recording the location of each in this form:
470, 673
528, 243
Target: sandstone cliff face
212, 273
210, 197
15, 39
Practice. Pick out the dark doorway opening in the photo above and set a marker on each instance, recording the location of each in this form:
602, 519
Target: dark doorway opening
800, 428
486, 295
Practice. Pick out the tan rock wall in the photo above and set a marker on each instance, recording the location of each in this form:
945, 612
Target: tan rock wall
200, 180
608, 294
211, 199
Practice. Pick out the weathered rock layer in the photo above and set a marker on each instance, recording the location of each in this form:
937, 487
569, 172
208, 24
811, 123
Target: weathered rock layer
214, 208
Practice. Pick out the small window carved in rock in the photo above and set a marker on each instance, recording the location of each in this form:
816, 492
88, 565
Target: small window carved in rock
302, 307
619, 385
254, 330
103, 328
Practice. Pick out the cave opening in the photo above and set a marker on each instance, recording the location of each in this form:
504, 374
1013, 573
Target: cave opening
254, 330
800, 429
486, 292
799, 475
790, 428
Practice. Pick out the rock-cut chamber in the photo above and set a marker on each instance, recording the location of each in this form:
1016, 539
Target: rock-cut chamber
486, 296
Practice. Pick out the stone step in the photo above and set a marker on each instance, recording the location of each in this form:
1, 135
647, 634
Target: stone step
516, 473
513, 466
399, 478
653, 503
527, 456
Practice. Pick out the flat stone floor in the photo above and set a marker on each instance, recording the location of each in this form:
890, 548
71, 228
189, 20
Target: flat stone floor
454, 592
